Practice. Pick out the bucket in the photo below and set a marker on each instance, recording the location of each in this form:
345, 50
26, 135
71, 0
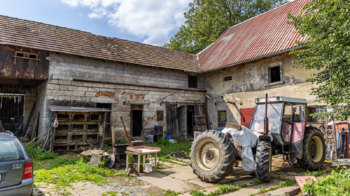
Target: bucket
172, 141
148, 167
169, 137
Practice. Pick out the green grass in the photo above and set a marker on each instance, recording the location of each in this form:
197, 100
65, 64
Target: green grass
335, 184
38, 154
223, 188
316, 173
67, 174
285, 182
53, 163
168, 148
257, 181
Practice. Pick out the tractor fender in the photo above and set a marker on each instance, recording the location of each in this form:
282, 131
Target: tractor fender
298, 146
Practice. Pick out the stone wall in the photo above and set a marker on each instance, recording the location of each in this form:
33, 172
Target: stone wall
62, 90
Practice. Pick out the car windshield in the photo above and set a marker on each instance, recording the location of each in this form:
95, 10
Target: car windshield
274, 112
8, 150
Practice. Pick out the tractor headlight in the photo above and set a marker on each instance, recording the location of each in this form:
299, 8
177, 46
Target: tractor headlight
278, 98
257, 100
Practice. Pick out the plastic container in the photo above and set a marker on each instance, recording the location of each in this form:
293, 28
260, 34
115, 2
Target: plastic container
172, 141
148, 167
150, 138
169, 137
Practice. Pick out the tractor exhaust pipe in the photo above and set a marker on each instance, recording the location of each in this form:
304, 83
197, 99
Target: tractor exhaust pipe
266, 120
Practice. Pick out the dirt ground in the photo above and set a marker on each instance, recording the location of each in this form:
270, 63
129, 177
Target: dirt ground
175, 177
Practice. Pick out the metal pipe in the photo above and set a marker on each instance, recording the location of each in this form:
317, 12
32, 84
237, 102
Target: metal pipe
266, 120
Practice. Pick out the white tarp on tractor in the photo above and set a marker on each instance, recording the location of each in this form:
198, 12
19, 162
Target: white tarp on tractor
247, 139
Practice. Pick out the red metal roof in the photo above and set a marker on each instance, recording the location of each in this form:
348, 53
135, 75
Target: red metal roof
262, 35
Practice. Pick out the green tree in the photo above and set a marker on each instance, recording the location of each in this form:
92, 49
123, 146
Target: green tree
206, 20
326, 24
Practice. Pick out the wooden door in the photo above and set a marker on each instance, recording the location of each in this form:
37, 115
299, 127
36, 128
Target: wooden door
246, 116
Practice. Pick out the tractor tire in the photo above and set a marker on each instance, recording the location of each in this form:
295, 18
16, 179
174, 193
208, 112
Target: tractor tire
314, 149
212, 156
263, 160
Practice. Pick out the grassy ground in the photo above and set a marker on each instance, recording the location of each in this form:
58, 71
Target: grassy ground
168, 148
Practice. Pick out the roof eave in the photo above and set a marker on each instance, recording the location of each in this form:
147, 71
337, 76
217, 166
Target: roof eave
250, 60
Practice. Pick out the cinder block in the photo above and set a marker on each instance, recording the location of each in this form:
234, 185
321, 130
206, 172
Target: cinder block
90, 94
76, 83
53, 87
88, 84
108, 86
53, 81
94, 89
66, 82
63, 87
99, 85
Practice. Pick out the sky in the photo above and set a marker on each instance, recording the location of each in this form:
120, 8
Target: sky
145, 21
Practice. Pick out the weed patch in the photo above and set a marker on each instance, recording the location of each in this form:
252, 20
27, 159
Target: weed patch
336, 184
224, 188
257, 181
168, 148
38, 154
64, 175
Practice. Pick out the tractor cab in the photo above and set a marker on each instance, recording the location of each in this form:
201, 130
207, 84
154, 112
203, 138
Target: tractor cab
282, 112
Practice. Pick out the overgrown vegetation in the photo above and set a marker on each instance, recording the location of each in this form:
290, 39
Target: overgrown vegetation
37, 153
257, 181
223, 188
336, 184
316, 173
168, 148
67, 174
326, 25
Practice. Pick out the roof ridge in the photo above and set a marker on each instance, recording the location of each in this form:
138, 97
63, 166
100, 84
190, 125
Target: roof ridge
94, 34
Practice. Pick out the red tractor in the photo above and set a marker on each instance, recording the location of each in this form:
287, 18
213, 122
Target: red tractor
213, 153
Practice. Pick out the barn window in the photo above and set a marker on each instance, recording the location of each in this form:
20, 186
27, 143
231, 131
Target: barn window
26, 55
228, 78
192, 81
274, 74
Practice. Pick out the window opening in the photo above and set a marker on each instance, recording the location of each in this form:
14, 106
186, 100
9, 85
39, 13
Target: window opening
222, 118
275, 74
228, 78
160, 115
321, 110
192, 81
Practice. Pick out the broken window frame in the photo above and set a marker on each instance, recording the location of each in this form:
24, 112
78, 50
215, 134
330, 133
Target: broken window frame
195, 84
268, 74
26, 55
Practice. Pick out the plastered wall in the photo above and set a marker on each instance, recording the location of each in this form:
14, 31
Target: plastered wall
249, 82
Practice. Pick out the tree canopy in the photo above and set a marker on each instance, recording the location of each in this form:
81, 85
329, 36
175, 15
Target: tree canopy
326, 23
206, 20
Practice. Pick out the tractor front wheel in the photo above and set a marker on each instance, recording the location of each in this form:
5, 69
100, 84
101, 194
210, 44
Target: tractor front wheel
212, 156
314, 149
263, 160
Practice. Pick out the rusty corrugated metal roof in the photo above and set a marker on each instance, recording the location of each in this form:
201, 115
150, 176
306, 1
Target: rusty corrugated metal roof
262, 35
35, 35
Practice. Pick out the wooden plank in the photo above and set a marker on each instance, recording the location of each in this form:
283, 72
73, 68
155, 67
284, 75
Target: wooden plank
125, 132
30, 117
35, 125
233, 126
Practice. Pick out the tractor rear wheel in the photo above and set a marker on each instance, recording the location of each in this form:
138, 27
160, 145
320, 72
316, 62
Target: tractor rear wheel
212, 156
263, 160
314, 149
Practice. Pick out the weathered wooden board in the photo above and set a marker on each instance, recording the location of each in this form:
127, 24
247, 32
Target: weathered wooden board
24, 68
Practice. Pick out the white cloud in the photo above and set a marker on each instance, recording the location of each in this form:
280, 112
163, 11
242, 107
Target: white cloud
152, 20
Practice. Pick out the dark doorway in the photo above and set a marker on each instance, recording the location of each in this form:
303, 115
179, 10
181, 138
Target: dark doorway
11, 111
108, 118
136, 122
190, 119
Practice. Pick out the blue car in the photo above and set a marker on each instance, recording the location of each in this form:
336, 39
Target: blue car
16, 167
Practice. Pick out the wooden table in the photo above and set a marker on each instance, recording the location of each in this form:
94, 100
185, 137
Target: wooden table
139, 154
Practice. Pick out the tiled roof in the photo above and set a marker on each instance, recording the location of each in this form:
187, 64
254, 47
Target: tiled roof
262, 35
41, 36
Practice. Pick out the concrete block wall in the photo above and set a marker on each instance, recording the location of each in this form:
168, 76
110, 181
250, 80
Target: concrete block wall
62, 90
